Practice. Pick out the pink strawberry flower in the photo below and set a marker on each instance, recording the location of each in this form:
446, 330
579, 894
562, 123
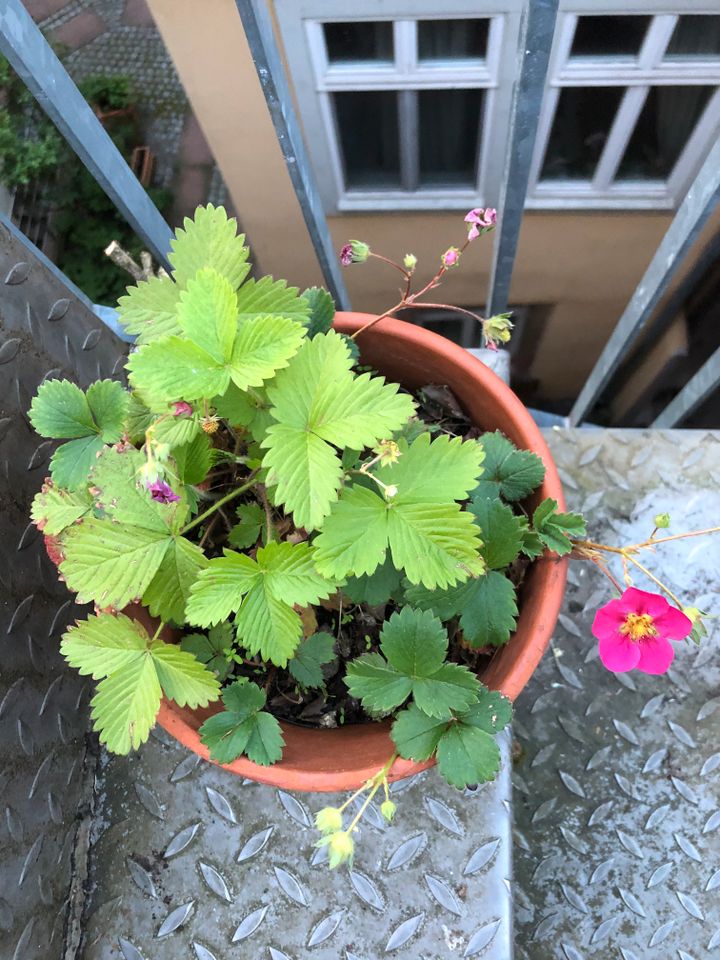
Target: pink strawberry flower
480, 220
162, 492
181, 408
346, 256
634, 632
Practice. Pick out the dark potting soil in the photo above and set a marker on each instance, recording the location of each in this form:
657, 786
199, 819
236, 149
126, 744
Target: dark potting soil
355, 627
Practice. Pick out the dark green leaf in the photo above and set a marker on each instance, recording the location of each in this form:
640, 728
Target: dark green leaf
242, 727
489, 612
306, 665
500, 530
415, 734
508, 471
245, 533
210, 649
376, 588
322, 310
555, 529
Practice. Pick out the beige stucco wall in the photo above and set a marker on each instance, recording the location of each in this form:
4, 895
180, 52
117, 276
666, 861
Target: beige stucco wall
585, 265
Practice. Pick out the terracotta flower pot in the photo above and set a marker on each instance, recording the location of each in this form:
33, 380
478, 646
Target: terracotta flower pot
344, 758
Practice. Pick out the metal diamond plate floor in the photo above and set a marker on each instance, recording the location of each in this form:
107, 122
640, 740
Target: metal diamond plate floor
617, 849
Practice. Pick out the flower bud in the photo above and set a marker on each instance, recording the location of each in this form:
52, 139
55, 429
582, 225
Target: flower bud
391, 491
451, 257
354, 252
328, 820
388, 809
662, 521
410, 262
341, 847
692, 613
181, 408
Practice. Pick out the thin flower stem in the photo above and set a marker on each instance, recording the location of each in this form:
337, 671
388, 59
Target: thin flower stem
676, 536
157, 632
655, 580
377, 782
392, 263
218, 503
443, 306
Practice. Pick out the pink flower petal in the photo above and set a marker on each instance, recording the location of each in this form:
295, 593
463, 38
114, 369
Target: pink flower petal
473, 232
673, 624
640, 601
618, 653
656, 655
609, 619
473, 216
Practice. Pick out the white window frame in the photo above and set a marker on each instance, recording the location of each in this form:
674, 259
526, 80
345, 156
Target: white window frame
315, 80
636, 75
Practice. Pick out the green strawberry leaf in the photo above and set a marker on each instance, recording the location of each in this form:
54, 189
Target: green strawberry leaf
246, 531
414, 646
322, 310
243, 727
54, 509
319, 405
274, 297
149, 309
306, 666
508, 472
209, 240
168, 591
500, 530
555, 529
210, 649
134, 673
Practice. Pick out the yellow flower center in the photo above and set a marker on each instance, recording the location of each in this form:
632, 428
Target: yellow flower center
637, 626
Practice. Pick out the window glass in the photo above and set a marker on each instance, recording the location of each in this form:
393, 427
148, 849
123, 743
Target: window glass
362, 41
450, 128
664, 126
367, 124
452, 39
609, 36
580, 128
695, 35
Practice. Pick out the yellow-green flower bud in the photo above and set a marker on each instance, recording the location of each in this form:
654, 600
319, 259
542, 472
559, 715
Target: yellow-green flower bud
391, 491
388, 809
341, 847
329, 820
410, 262
662, 521
692, 613
354, 252
498, 329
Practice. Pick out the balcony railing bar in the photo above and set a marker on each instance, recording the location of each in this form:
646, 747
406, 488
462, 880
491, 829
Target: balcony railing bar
271, 73
533, 56
698, 388
694, 211
33, 59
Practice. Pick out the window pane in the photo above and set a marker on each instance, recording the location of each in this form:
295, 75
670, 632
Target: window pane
580, 128
450, 128
357, 42
695, 36
609, 36
663, 129
452, 39
368, 128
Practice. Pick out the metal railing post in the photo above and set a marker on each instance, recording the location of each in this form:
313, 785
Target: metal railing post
271, 73
32, 57
692, 215
535, 43
697, 389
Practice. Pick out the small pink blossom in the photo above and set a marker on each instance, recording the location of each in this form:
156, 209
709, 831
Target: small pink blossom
346, 256
181, 408
480, 220
162, 492
634, 632
451, 257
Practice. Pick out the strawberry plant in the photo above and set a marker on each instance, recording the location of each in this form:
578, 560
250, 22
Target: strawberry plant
308, 529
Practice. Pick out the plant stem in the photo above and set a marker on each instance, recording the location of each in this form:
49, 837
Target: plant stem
219, 503
377, 780
676, 536
442, 306
157, 632
392, 263
654, 580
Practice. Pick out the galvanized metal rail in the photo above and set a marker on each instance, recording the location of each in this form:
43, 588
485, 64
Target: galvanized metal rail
33, 59
533, 57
